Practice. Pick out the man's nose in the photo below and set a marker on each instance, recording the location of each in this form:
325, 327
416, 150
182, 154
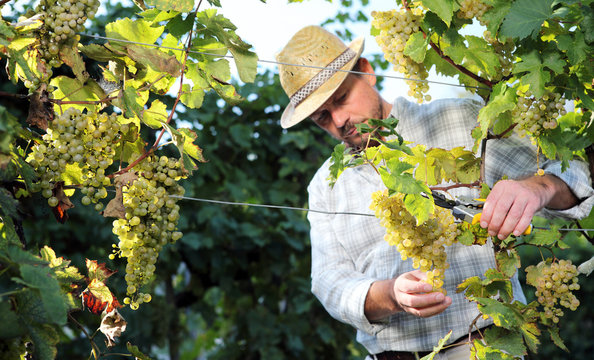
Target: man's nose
339, 117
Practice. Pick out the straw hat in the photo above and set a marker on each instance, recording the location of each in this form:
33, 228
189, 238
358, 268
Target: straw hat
308, 88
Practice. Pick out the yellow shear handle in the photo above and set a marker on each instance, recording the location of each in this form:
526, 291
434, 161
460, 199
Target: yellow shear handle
477, 218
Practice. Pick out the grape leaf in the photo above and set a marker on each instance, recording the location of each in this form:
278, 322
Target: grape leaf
45, 338
223, 29
505, 340
8, 204
177, 5
525, 18
8, 235
7, 316
438, 348
416, 47
71, 57
503, 315
541, 237
129, 101
480, 57
97, 297
479, 350
132, 30
472, 286
575, 46
98, 271
136, 352
156, 16
337, 163
419, 206
192, 98
508, 261
112, 325
466, 238
40, 278
190, 148
557, 340
184, 139
156, 115
18, 67
503, 99
69, 89
494, 16
424, 169
155, 58
443, 8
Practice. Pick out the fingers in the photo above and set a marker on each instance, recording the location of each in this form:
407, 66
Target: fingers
509, 208
415, 297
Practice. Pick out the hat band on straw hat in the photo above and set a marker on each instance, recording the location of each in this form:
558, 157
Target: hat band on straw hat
315, 82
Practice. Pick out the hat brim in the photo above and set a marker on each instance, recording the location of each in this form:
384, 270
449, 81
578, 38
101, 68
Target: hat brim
295, 114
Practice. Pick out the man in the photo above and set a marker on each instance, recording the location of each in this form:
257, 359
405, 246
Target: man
356, 275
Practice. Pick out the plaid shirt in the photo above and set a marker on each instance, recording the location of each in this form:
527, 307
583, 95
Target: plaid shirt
349, 252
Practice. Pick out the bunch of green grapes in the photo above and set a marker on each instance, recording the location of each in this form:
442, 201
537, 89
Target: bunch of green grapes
470, 9
396, 27
554, 287
504, 51
85, 139
150, 221
424, 244
537, 115
62, 20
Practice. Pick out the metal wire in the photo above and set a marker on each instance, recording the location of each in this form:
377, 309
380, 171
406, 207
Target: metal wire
269, 206
283, 63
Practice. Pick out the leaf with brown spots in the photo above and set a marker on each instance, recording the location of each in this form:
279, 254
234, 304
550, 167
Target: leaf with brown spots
115, 207
40, 108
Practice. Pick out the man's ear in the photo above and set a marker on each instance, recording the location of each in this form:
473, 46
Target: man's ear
365, 66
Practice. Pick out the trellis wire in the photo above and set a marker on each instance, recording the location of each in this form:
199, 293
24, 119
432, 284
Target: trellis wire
283, 63
220, 202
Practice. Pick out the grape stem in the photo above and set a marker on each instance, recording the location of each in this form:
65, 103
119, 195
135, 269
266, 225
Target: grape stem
460, 68
501, 135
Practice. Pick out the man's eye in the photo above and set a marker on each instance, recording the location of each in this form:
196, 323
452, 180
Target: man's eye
322, 118
342, 98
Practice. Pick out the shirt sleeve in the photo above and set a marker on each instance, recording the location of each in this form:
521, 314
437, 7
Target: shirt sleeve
336, 283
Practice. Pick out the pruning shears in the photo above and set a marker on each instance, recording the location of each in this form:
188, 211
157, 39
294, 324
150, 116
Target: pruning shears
465, 208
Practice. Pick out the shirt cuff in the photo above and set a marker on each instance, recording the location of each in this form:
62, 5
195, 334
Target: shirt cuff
578, 180
354, 309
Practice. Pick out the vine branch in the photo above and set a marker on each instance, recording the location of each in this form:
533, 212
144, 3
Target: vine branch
82, 328
18, 96
453, 186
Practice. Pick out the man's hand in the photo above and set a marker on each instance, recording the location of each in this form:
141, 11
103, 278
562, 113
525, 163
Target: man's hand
416, 297
405, 293
510, 206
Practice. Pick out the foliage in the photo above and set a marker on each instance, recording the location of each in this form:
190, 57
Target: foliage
524, 70
214, 283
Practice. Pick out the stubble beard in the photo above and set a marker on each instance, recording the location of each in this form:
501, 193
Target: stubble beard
377, 114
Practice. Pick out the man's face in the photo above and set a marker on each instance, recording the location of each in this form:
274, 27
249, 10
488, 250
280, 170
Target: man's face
354, 102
